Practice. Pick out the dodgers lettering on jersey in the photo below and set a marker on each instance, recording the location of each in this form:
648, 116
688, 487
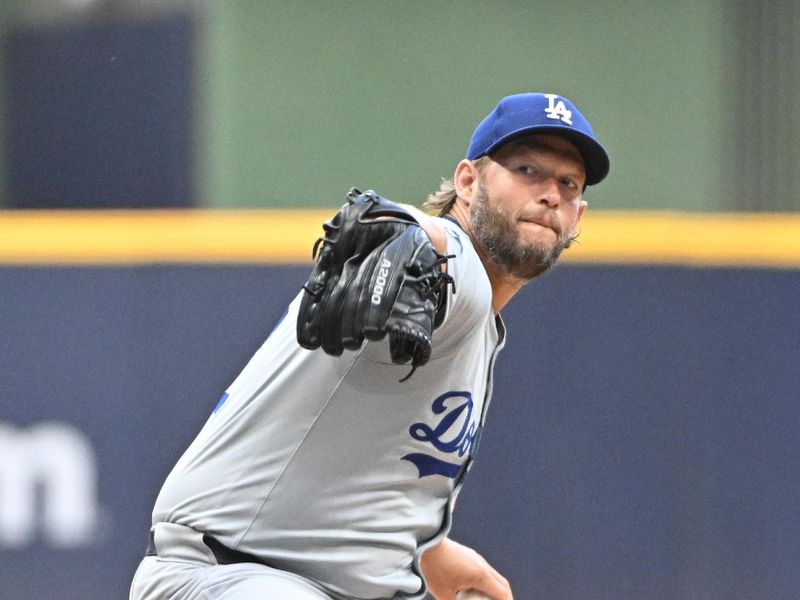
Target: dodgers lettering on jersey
331, 468
454, 432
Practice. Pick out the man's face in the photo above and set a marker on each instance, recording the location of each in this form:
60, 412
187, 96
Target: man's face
529, 203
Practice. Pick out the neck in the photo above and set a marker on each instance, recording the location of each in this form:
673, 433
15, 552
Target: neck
504, 286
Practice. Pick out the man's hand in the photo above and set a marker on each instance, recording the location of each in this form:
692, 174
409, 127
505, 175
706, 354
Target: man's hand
377, 274
450, 567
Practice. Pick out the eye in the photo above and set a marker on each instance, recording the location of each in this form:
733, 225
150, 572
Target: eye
528, 170
569, 183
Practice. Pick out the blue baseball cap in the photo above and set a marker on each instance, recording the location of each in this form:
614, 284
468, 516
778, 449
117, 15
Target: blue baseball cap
540, 113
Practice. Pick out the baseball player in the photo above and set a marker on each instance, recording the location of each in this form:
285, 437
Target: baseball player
331, 473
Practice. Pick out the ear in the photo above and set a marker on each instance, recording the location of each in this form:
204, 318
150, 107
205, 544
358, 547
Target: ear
577, 223
581, 209
575, 230
465, 180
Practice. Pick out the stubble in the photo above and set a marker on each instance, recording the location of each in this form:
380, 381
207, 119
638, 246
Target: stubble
501, 242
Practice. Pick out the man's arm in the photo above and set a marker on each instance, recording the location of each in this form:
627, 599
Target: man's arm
450, 567
376, 274
434, 230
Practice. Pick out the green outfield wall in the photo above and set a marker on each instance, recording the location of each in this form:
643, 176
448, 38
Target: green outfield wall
306, 99
291, 104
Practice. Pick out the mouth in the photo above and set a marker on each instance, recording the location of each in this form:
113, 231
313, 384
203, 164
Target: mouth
542, 222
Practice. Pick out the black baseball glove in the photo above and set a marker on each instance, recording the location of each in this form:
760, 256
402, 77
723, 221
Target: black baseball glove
376, 273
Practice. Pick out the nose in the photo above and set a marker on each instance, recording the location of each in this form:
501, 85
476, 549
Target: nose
550, 193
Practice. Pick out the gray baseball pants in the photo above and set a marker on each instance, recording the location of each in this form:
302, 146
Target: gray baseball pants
186, 569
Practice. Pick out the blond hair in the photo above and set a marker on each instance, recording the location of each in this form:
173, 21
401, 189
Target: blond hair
441, 201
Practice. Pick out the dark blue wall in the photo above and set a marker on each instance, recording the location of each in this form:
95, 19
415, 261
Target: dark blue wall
100, 115
642, 442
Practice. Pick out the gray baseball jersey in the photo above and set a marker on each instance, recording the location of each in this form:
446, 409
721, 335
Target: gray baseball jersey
331, 468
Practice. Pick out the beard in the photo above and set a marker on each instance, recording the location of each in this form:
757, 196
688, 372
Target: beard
501, 242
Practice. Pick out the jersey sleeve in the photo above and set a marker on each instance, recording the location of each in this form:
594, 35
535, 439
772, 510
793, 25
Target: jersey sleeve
469, 300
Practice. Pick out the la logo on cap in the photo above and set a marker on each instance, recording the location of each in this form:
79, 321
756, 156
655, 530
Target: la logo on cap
536, 112
557, 110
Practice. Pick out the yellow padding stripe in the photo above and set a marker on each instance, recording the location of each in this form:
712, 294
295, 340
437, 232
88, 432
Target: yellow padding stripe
133, 237
702, 239
260, 236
